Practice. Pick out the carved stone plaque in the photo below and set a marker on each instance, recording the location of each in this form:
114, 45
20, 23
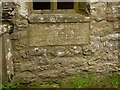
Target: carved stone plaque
58, 34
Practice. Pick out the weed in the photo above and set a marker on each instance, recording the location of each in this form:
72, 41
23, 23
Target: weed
79, 81
10, 86
82, 81
114, 80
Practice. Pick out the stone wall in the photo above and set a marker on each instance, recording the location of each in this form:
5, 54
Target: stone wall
35, 61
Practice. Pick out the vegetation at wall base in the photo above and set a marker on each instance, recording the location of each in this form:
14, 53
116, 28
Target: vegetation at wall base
10, 86
79, 81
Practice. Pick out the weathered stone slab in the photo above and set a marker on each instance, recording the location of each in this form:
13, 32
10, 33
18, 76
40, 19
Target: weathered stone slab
58, 34
73, 18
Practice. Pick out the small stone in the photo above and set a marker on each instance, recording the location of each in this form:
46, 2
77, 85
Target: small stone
70, 72
114, 10
60, 53
24, 54
116, 26
16, 55
36, 51
87, 51
111, 18
76, 50
102, 28
21, 23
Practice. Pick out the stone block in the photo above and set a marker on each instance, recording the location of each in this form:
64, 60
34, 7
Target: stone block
112, 17
58, 34
116, 25
102, 28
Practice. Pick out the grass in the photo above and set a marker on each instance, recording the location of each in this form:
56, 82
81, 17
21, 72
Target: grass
82, 81
79, 81
10, 86
114, 80
91, 81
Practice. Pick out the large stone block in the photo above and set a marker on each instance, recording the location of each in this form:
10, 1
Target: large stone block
58, 34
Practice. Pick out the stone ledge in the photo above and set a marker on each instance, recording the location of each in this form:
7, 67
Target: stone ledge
74, 18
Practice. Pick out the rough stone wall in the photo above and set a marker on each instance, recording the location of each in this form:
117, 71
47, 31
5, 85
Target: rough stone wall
100, 55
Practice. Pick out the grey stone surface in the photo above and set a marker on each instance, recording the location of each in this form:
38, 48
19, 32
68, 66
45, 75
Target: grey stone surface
48, 48
58, 34
102, 28
98, 11
58, 18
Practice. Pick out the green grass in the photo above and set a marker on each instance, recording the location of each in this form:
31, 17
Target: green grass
114, 80
10, 86
82, 81
79, 81
91, 81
